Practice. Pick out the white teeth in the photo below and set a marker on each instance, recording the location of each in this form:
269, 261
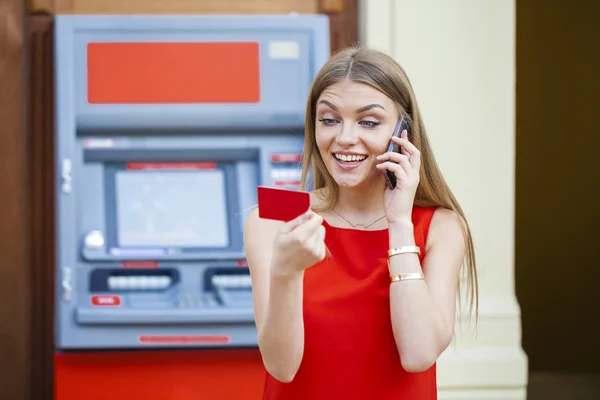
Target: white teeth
350, 158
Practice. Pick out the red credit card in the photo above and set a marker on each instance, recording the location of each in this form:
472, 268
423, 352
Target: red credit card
281, 204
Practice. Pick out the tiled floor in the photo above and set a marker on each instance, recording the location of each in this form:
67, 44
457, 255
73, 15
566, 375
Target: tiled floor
558, 386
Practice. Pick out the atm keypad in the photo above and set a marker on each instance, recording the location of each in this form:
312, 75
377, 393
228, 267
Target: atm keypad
138, 282
232, 281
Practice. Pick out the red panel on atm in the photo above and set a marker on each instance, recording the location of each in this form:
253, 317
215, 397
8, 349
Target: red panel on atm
159, 375
173, 72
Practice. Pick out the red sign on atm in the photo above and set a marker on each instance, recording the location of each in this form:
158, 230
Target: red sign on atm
173, 72
106, 301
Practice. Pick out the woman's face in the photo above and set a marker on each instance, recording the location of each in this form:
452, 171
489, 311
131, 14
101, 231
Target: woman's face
354, 123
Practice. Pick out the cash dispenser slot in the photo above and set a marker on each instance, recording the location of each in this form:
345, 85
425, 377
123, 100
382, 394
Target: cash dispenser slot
155, 297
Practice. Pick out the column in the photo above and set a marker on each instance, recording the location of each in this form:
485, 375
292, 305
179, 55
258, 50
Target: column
460, 57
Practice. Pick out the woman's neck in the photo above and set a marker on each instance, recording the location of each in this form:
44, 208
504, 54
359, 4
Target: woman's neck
361, 205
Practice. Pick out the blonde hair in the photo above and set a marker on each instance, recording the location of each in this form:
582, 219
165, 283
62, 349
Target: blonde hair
383, 73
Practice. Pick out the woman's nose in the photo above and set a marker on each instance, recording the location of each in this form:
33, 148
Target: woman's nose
347, 135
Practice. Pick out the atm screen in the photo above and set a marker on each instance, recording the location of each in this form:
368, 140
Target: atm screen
171, 208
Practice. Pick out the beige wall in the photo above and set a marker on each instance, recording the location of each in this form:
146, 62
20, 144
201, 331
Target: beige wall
460, 56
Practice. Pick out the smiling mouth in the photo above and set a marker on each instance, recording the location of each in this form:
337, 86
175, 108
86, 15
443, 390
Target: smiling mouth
349, 158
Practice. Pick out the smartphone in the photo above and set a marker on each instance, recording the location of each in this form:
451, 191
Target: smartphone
402, 124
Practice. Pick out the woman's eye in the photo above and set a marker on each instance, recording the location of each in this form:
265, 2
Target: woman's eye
369, 124
327, 121
332, 121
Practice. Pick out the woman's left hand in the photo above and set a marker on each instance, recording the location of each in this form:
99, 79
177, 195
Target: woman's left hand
405, 165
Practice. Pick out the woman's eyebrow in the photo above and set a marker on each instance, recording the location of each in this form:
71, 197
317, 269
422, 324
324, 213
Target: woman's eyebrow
328, 104
358, 111
367, 108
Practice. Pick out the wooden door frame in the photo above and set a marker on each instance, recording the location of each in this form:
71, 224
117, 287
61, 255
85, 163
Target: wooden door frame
15, 332
344, 22
40, 151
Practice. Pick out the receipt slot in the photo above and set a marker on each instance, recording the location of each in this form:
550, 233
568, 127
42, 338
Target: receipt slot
165, 127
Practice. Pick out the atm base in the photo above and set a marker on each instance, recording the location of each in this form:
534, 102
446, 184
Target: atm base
159, 375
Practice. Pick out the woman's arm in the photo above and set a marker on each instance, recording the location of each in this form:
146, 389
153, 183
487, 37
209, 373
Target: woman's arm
277, 286
277, 302
423, 311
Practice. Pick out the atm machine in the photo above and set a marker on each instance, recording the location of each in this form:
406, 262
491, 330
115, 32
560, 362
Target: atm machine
165, 127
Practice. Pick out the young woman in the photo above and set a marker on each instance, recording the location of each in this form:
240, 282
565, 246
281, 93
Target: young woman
356, 298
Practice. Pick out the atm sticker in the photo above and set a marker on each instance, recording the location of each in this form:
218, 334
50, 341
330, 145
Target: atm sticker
106, 301
98, 143
284, 50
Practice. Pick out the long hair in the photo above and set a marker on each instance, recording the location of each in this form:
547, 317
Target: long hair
383, 73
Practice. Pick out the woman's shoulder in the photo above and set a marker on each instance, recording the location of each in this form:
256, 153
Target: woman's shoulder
446, 226
442, 216
435, 213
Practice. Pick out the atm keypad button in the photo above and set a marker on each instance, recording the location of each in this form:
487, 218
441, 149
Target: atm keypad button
232, 281
138, 282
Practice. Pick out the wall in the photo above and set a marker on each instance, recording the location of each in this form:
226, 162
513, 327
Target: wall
460, 56
557, 267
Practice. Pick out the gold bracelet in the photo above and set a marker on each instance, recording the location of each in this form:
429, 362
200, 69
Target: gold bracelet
404, 250
407, 277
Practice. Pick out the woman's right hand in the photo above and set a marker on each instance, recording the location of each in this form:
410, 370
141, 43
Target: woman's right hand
299, 244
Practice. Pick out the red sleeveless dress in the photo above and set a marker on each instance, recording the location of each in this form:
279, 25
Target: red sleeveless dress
349, 350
